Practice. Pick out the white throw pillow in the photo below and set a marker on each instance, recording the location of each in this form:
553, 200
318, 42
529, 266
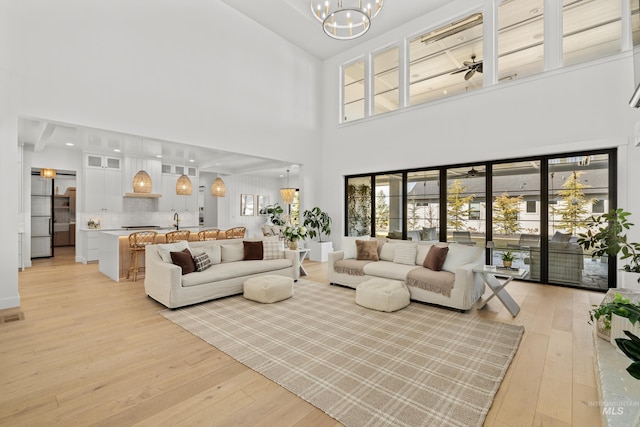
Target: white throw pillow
232, 253
460, 255
165, 249
422, 251
273, 249
349, 245
213, 251
388, 251
405, 253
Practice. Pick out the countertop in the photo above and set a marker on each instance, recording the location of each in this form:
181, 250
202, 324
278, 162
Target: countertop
122, 232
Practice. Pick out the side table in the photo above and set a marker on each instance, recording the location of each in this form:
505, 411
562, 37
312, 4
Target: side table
302, 254
490, 276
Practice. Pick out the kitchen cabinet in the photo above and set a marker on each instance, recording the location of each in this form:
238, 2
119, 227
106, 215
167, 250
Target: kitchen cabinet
88, 246
103, 190
97, 161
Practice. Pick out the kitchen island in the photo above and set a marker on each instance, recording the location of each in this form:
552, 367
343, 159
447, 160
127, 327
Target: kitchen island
113, 249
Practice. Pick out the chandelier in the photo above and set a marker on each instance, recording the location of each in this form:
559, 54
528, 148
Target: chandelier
218, 188
287, 193
345, 19
183, 186
142, 182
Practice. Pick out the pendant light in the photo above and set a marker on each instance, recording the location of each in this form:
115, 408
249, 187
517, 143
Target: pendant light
142, 182
48, 173
287, 193
218, 188
183, 186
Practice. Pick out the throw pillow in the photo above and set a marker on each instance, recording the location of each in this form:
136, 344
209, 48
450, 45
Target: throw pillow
349, 245
232, 252
184, 260
252, 250
405, 254
367, 250
273, 249
436, 257
388, 252
202, 261
165, 249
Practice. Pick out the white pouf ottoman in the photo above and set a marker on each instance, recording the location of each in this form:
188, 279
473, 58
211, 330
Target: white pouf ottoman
268, 289
383, 294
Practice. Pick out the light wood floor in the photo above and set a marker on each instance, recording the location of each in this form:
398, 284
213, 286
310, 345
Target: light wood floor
90, 351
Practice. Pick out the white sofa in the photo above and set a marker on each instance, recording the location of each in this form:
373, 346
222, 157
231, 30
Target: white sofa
460, 262
165, 283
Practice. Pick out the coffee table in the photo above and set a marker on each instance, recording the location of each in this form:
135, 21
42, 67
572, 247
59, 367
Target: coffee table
490, 274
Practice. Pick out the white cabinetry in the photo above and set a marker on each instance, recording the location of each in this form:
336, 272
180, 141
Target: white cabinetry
102, 184
152, 166
172, 202
88, 246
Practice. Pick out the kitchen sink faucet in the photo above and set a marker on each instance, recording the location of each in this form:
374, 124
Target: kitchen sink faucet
176, 218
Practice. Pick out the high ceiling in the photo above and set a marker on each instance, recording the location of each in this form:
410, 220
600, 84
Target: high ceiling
293, 20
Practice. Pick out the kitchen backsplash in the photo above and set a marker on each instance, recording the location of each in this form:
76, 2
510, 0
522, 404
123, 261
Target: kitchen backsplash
140, 204
120, 219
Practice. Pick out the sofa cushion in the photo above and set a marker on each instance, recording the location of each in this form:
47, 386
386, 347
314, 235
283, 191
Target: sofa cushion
184, 260
405, 253
422, 249
436, 257
165, 249
231, 270
213, 251
232, 252
252, 250
388, 270
273, 249
349, 245
460, 255
387, 252
367, 250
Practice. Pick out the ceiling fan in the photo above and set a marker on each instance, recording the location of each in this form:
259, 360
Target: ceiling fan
473, 172
470, 67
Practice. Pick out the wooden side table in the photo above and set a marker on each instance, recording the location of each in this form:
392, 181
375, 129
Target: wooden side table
490, 276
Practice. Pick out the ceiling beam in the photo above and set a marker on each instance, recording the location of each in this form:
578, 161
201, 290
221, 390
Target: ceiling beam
43, 134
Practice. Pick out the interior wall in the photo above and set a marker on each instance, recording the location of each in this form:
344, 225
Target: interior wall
581, 107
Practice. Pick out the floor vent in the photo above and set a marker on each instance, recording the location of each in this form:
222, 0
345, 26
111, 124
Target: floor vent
13, 317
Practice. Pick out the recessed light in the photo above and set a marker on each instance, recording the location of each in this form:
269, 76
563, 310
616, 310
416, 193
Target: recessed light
444, 92
191, 160
158, 156
117, 150
69, 144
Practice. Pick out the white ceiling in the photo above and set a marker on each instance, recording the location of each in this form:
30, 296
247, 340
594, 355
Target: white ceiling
36, 135
293, 20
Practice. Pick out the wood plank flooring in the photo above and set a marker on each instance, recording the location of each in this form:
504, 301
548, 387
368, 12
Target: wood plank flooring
90, 351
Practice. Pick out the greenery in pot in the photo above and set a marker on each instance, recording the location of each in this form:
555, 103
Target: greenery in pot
623, 307
293, 233
318, 221
605, 236
275, 213
508, 256
631, 348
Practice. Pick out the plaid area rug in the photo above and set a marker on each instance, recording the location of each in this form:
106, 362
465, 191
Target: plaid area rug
420, 366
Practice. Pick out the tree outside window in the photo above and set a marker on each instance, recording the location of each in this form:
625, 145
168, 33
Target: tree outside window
458, 205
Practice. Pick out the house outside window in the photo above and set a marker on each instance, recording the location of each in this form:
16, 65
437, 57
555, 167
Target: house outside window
353, 106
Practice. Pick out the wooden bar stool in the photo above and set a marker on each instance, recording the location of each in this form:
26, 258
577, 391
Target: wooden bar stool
210, 234
137, 244
174, 236
235, 233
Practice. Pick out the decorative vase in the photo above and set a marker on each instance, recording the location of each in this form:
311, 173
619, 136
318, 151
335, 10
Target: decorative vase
293, 245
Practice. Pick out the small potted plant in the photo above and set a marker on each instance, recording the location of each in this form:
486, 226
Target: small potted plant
614, 316
275, 214
319, 223
293, 233
605, 237
507, 258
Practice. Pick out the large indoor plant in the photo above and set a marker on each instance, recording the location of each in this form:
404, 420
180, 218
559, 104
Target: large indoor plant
318, 222
606, 236
275, 214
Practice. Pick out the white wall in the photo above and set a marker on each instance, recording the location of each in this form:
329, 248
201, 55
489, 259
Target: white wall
196, 72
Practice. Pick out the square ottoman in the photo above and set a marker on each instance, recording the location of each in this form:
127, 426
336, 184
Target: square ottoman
268, 289
383, 294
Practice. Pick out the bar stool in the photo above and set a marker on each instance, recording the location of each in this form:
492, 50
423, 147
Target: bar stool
209, 234
174, 236
137, 244
235, 233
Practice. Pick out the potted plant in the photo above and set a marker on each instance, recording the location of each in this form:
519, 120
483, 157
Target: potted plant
614, 316
293, 233
605, 236
507, 258
318, 223
631, 348
275, 214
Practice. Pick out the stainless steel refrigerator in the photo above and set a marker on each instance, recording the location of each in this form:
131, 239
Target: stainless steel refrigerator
41, 217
